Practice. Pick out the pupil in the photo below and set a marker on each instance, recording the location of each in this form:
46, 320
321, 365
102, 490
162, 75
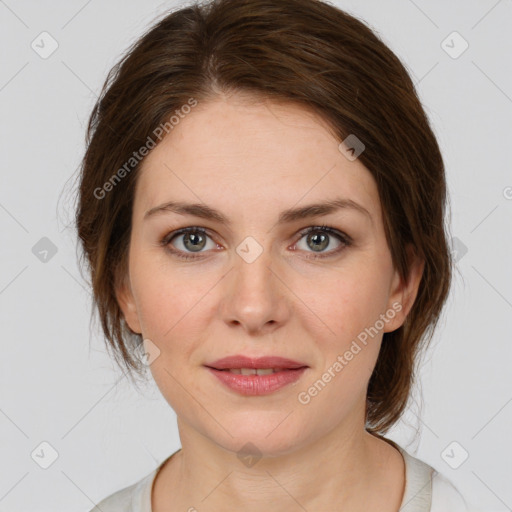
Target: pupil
320, 241
195, 239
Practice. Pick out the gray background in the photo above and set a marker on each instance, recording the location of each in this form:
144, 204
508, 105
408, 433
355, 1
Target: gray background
57, 383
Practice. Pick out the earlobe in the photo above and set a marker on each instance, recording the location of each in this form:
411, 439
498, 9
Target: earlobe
404, 293
128, 306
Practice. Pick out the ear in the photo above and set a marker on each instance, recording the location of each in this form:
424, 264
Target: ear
127, 304
403, 292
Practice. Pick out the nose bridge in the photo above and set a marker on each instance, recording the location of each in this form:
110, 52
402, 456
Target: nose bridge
252, 263
255, 297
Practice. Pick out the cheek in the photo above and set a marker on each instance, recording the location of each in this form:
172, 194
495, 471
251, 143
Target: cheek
160, 293
170, 316
174, 305
347, 301
347, 306
172, 309
350, 345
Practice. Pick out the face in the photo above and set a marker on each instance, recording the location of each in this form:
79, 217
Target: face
252, 281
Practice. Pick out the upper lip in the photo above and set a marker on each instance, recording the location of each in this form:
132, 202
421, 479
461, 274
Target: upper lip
240, 361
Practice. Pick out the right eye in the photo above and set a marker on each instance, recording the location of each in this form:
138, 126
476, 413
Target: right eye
192, 239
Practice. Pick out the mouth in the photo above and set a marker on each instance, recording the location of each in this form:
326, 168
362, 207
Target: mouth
256, 376
254, 371
245, 363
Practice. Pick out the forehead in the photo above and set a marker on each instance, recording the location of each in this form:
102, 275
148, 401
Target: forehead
244, 153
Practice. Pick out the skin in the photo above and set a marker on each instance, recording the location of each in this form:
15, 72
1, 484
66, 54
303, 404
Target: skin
252, 159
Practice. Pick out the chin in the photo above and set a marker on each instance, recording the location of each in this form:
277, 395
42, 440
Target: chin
262, 438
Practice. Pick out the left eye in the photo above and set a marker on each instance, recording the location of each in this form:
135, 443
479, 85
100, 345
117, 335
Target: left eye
319, 238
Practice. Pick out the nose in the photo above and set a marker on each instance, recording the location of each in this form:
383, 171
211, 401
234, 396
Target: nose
256, 298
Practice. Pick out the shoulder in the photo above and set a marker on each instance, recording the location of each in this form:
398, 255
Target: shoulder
120, 501
428, 489
134, 498
445, 496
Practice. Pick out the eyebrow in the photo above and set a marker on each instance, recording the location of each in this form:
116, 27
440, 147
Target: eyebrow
287, 216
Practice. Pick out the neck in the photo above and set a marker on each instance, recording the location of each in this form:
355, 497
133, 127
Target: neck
343, 471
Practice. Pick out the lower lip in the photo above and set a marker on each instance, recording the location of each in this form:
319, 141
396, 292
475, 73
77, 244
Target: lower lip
254, 385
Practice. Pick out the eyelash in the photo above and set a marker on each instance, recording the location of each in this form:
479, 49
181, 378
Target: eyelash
342, 237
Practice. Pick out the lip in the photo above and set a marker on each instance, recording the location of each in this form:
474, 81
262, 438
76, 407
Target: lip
254, 385
240, 361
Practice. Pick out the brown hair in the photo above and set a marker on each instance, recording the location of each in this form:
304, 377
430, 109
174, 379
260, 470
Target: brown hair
303, 51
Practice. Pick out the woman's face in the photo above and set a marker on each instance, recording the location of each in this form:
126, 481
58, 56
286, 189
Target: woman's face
256, 285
